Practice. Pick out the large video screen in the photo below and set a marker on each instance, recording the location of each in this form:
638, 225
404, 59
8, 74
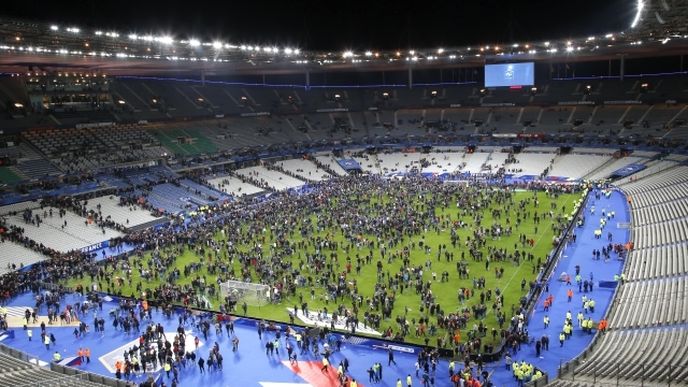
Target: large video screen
510, 74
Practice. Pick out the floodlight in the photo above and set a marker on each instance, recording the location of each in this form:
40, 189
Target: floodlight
18, 105
166, 40
217, 45
194, 42
348, 54
54, 28
640, 5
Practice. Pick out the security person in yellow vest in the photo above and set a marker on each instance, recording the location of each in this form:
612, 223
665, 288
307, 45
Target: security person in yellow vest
567, 331
538, 375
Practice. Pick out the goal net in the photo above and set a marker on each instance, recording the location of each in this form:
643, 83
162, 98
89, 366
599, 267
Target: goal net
238, 292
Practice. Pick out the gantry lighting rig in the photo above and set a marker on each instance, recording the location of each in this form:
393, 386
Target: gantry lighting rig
657, 26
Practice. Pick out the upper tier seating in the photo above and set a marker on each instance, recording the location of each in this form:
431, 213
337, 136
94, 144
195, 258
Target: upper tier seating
87, 149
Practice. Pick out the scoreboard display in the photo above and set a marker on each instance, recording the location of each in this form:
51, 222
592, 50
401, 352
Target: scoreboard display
510, 74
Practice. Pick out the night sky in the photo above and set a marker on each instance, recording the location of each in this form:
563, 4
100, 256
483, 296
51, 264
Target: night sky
341, 25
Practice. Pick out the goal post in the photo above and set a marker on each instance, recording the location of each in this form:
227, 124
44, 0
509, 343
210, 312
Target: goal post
238, 292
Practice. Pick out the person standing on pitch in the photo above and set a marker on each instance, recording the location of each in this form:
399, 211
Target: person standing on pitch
390, 357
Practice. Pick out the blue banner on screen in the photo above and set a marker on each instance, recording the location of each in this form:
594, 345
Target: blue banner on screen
510, 74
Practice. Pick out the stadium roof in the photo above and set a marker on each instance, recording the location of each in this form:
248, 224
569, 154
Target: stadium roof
658, 29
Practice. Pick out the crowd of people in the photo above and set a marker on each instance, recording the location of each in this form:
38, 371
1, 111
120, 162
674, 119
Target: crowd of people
313, 246
261, 245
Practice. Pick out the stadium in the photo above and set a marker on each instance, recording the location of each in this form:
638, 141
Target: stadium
186, 209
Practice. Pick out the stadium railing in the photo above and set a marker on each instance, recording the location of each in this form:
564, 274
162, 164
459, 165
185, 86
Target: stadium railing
550, 265
553, 259
71, 373
614, 376
571, 365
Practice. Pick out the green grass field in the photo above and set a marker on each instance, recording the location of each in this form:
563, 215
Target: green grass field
445, 292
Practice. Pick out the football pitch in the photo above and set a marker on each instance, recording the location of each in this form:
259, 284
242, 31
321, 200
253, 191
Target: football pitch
365, 247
